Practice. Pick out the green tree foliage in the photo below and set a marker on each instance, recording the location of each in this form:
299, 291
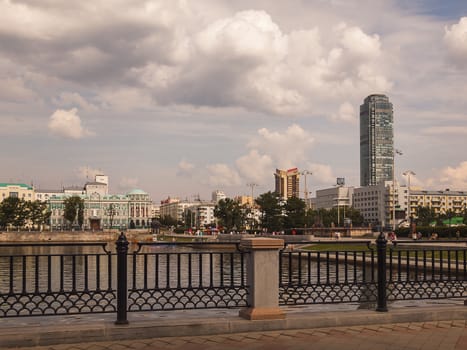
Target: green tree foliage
39, 213
271, 211
11, 207
294, 210
229, 214
74, 209
425, 216
18, 212
168, 221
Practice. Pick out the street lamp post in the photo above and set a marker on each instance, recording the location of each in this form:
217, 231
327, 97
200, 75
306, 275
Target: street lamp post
305, 173
252, 185
398, 152
408, 173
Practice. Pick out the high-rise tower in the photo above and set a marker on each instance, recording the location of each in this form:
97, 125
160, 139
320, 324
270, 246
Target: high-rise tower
287, 183
376, 140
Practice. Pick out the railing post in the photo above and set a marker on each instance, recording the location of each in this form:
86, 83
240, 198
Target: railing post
122, 284
381, 244
263, 278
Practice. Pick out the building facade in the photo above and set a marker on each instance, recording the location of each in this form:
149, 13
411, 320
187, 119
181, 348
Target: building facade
376, 140
101, 209
287, 183
16, 190
334, 197
440, 201
380, 203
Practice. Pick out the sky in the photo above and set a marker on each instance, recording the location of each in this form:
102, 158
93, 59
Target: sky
181, 98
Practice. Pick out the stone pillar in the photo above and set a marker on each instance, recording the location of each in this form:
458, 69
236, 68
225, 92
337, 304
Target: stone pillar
263, 278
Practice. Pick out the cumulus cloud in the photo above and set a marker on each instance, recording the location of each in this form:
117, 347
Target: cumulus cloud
66, 123
286, 148
455, 38
454, 177
322, 174
267, 151
255, 166
185, 168
222, 175
346, 113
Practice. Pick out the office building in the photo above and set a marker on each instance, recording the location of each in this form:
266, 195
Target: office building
287, 183
376, 140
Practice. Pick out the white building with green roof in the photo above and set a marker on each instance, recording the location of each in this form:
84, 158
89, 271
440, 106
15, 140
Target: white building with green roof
17, 190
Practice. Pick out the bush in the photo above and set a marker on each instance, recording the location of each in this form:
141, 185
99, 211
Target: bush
442, 231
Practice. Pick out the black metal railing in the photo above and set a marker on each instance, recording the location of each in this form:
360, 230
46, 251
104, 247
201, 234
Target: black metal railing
329, 276
35, 281
70, 278
88, 278
375, 273
199, 276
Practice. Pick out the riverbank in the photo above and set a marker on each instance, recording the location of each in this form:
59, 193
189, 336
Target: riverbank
73, 236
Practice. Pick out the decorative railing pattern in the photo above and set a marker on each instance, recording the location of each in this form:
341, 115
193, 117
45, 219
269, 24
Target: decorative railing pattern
193, 279
41, 283
88, 278
412, 270
324, 277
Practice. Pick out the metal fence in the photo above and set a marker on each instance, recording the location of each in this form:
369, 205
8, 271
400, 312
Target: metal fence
35, 280
89, 278
77, 278
374, 273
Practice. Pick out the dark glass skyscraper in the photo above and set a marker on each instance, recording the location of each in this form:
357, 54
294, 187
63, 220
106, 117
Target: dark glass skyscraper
376, 140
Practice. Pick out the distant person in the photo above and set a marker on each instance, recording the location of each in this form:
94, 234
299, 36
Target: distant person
419, 235
458, 234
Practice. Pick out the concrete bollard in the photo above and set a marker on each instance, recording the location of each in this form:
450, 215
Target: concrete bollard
263, 278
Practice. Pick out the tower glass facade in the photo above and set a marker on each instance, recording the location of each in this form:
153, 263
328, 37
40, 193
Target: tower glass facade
376, 140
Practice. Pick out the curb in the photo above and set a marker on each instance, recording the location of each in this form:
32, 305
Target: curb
53, 330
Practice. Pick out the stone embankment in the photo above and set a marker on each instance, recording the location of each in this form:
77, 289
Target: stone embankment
73, 236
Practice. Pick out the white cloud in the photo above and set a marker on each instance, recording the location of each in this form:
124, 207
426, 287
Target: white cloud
359, 44
185, 168
254, 166
455, 38
222, 175
346, 113
454, 177
286, 149
67, 123
322, 175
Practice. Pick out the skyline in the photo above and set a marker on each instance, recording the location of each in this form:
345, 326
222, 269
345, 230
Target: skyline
181, 98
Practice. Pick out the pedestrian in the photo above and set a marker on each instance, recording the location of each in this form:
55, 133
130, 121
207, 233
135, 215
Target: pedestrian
419, 235
458, 234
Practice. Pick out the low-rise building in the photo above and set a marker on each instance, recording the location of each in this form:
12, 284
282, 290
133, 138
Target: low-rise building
17, 190
379, 203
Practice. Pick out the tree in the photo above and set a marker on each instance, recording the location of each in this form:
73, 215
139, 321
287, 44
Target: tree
12, 211
425, 216
38, 213
74, 209
295, 210
111, 212
356, 218
271, 211
229, 214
